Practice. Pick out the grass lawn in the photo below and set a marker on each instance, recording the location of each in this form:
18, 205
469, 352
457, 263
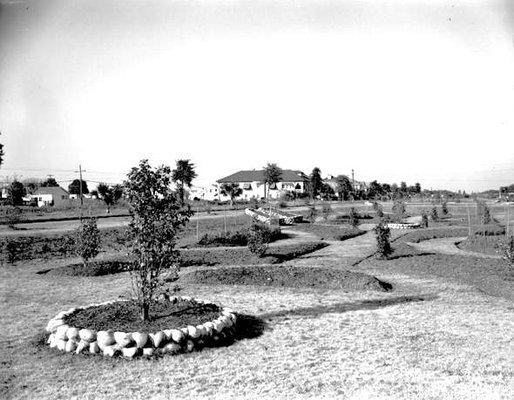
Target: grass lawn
431, 337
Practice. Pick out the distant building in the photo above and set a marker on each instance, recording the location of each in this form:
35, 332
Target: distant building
50, 196
209, 193
252, 183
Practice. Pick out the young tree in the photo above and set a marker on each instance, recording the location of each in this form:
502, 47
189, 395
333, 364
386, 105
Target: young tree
232, 190
486, 215
417, 188
375, 190
399, 209
31, 185
257, 242
326, 191
315, 183
88, 240
1, 153
424, 219
183, 175
49, 182
74, 187
353, 217
156, 216
15, 193
13, 216
444, 208
326, 210
403, 188
272, 175
343, 187
383, 234
110, 194
433, 214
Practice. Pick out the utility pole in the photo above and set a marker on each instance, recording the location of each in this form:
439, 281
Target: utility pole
80, 187
353, 177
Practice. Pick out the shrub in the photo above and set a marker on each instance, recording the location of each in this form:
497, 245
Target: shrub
282, 204
433, 214
256, 242
383, 245
486, 215
444, 208
13, 216
507, 251
88, 240
424, 219
235, 238
326, 210
353, 217
312, 213
399, 210
10, 250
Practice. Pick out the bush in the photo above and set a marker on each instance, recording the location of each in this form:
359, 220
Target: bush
88, 240
444, 208
424, 219
13, 216
383, 245
486, 215
326, 210
348, 234
312, 213
236, 238
398, 210
507, 251
353, 217
433, 214
282, 204
256, 242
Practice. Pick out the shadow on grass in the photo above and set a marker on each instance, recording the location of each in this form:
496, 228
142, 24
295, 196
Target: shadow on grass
340, 308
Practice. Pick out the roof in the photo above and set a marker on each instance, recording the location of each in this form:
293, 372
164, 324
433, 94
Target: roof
53, 190
288, 175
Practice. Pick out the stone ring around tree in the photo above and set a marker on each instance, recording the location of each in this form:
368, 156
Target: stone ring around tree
176, 340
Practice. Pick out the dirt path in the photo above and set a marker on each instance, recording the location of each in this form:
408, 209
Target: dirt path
448, 246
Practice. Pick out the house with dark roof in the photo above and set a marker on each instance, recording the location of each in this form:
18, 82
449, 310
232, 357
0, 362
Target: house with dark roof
252, 183
50, 196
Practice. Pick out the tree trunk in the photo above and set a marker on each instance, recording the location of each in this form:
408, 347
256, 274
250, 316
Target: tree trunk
145, 315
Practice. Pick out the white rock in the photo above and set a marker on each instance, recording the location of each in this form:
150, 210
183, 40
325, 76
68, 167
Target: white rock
87, 335
60, 332
227, 311
193, 332
81, 347
177, 335
190, 346
70, 311
71, 345
158, 338
110, 351
201, 330
140, 338
226, 320
53, 343
50, 338
93, 348
61, 344
129, 352
218, 326
172, 348
72, 333
105, 338
123, 338
148, 351
186, 298
184, 331
53, 324
61, 315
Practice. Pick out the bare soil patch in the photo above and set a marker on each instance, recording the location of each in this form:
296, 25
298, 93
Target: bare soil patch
289, 276
125, 316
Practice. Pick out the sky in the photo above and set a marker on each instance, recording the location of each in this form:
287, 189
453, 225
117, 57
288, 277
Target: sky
415, 91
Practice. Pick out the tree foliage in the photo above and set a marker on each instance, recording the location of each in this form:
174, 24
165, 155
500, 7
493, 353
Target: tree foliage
183, 176
15, 193
424, 219
232, 190
88, 240
343, 187
272, 174
383, 235
110, 194
315, 182
74, 187
156, 216
353, 217
50, 182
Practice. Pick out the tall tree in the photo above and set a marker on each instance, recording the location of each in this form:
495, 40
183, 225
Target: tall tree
15, 193
343, 187
1, 152
31, 185
49, 182
272, 175
417, 187
156, 216
315, 182
403, 187
74, 187
110, 194
375, 189
232, 190
183, 175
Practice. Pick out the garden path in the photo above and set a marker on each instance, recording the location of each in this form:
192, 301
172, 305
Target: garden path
448, 246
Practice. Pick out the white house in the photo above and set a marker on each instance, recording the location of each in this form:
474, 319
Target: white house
209, 193
50, 196
252, 183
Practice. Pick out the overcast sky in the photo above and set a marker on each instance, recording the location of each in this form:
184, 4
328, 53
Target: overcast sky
418, 90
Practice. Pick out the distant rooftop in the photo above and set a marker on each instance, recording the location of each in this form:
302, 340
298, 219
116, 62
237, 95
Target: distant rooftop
54, 190
288, 175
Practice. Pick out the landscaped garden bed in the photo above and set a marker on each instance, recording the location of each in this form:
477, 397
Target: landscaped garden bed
177, 325
288, 276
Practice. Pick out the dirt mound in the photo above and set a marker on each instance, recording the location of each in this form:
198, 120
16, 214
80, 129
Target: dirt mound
125, 316
290, 276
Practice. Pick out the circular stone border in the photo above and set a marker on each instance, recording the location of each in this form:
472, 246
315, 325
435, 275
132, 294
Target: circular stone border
69, 339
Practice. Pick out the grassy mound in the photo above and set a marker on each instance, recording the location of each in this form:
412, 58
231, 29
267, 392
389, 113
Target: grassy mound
290, 276
96, 268
124, 316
